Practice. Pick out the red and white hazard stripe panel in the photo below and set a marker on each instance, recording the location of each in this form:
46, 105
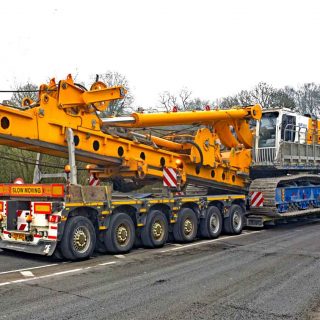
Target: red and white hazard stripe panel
93, 180
53, 231
256, 199
22, 224
170, 177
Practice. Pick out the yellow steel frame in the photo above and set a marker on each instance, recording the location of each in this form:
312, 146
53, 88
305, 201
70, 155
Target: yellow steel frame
43, 127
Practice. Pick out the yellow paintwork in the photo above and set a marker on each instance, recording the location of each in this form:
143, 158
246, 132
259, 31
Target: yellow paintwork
191, 117
116, 203
42, 128
84, 204
313, 133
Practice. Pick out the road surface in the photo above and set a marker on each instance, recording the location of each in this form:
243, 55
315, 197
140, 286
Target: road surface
261, 274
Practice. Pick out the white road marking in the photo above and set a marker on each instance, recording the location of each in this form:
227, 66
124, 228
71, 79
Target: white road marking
40, 277
27, 273
59, 273
4, 283
30, 277
55, 274
176, 244
119, 256
209, 241
25, 269
106, 263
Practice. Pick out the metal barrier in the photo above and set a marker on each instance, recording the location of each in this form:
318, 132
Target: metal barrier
265, 155
298, 147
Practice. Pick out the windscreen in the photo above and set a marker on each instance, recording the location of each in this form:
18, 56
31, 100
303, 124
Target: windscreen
267, 131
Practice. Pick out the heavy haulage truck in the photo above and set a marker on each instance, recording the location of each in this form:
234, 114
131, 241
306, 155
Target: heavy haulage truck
247, 174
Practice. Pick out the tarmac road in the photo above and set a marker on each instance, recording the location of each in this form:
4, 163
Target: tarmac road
267, 274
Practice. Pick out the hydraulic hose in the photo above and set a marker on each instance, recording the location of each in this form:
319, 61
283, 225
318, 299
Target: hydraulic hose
199, 164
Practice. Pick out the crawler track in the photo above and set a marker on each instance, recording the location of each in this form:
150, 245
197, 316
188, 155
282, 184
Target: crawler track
268, 188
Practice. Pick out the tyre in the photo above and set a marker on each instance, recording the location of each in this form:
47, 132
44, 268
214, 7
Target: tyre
234, 223
120, 234
57, 255
211, 226
79, 239
185, 229
155, 232
100, 246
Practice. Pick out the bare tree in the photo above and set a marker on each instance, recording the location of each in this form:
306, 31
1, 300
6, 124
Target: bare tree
182, 101
283, 98
263, 94
167, 100
184, 96
308, 98
227, 102
111, 79
28, 90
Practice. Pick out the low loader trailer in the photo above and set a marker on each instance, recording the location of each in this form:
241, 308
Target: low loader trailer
254, 165
72, 221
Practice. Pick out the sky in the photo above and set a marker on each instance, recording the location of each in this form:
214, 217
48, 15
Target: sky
213, 48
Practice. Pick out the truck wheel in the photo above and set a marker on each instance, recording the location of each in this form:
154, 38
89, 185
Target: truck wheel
234, 223
57, 255
211, 226
185, 229
120, 235
79, 239
155, 233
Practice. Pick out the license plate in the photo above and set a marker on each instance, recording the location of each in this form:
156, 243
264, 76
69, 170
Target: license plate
18, 236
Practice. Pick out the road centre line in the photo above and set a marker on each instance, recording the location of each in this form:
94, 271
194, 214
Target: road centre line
26, 269
209, 241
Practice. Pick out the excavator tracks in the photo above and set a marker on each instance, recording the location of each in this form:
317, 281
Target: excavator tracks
268, 188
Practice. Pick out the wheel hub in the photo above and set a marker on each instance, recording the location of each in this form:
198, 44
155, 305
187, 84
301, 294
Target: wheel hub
157, 230
236, 220
122, 234
188, 226
80, 239
214, 222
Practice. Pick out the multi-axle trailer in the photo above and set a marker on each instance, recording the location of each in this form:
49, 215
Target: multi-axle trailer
249, 174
